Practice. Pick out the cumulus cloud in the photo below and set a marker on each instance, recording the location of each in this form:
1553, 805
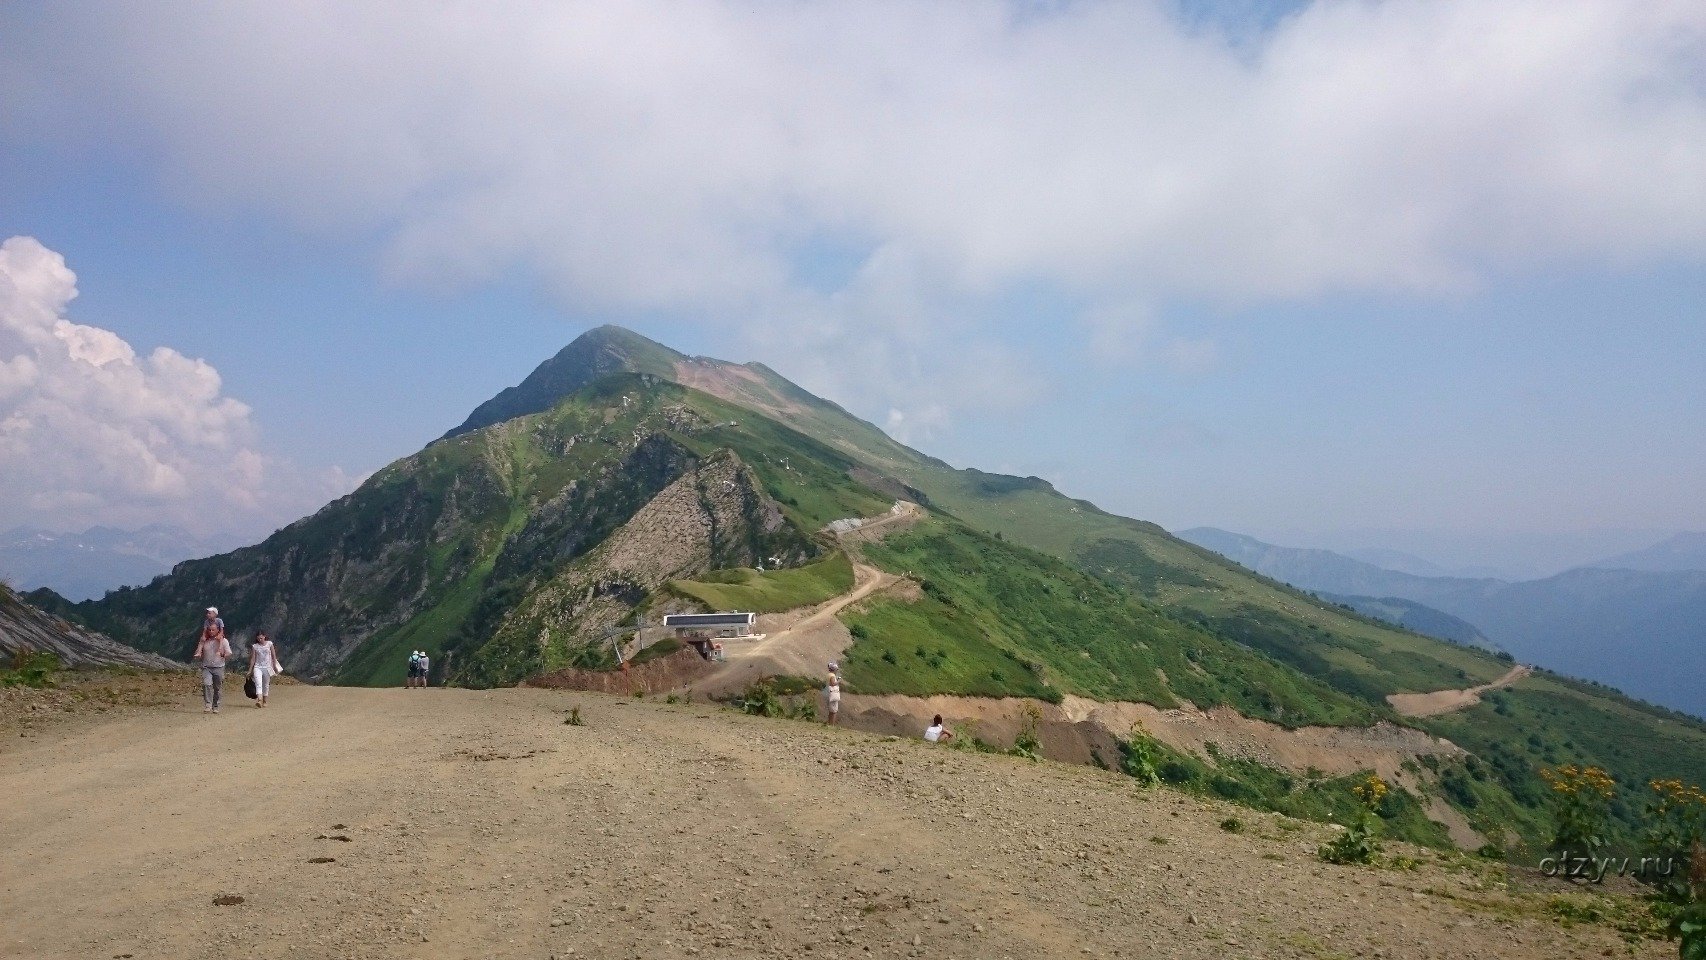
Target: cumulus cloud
91, 432
698, 157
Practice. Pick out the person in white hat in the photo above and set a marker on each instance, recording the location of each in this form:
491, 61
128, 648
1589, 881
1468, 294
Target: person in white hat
211, 649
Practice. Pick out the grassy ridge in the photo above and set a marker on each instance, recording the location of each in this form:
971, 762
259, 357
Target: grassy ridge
771, 591
1073, 633
1546, 720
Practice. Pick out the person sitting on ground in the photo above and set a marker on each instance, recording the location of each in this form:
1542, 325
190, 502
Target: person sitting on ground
937, 732
263, 666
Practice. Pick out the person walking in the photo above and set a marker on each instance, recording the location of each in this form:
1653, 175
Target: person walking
833, 692
263, 666
212, 649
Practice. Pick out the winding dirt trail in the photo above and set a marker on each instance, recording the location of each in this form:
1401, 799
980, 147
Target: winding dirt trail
1445, 701
434, 823
795, 643
803, 642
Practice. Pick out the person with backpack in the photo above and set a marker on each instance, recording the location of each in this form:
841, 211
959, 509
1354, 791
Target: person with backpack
263, 666
414, 669
211, 649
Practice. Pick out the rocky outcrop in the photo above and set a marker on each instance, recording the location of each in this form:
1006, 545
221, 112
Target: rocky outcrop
715, 515
25, 629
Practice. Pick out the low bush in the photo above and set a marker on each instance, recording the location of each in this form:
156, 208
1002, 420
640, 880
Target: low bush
29, 669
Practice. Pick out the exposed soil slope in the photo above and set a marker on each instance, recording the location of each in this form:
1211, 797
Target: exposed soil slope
1445, 701
478, 824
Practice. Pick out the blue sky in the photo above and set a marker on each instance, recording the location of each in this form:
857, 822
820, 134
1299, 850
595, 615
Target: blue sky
1418, 275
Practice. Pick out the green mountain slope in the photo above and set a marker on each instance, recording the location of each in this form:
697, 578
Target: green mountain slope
1352, 654
624, 476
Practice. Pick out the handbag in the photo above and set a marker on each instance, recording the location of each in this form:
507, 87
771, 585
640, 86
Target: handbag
249, 687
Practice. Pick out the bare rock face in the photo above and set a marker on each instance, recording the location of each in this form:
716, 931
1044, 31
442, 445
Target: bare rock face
24, 629
714, 515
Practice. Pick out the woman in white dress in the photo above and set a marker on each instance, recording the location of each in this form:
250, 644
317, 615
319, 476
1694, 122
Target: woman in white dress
263, 665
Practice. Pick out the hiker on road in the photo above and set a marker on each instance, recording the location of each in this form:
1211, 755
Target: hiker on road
426, 669
263, 666
414, 669
833, 692
211, 649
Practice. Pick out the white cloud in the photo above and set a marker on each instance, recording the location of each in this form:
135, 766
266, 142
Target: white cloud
90, 432
693, 157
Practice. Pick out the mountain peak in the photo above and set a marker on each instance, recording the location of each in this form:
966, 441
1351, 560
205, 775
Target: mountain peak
596, 353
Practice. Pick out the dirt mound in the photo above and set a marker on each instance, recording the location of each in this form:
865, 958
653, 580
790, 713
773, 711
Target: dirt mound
672, 671
1087, 732
1076, 730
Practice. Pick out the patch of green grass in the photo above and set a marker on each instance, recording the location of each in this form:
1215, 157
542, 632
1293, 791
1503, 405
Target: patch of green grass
930, 647
656, 651
1545, 720
746, 589
29, 669
1261, 787
1070, 632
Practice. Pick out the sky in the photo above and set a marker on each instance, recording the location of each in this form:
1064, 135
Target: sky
1420, 274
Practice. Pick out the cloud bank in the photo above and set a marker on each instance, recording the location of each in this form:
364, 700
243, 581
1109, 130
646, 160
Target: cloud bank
91, 432
720, 159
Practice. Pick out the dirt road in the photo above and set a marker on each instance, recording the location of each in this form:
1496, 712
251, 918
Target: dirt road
797, 643
478, 824
1445, 701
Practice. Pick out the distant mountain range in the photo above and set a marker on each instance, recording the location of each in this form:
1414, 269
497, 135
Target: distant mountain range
1415, 616
1402, 562
1637, 621
1685, 551
82, 566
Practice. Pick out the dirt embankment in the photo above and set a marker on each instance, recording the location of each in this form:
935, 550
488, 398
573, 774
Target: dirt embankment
1445, 701
681, 669
1078, 730
457, 823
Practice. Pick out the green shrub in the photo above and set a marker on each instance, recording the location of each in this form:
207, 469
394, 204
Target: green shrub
1027, 743
1358, 843
29, 669
1581, 798
1139, 756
